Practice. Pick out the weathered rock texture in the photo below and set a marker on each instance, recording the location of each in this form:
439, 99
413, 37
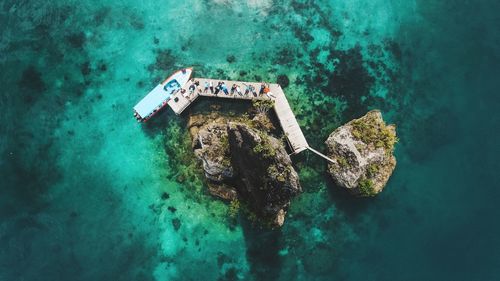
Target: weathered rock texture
237, 152
210, 145
265, 169
363, 153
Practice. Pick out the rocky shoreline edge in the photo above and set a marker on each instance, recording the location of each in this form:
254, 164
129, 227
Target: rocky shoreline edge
247, 164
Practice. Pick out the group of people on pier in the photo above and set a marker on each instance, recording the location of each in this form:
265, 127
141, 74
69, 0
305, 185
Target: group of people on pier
221, 87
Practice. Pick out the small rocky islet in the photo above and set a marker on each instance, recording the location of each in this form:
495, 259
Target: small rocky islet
362, 153
246, 164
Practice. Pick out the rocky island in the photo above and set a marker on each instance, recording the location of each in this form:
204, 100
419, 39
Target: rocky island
362, 154
246, 159
243, 162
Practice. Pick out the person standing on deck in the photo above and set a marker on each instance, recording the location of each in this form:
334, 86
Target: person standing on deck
233, 88
262, 87
197, 84
206, 87
211, 87
252, 89
217, 88
266, 89
270, 95
224, 88
184, 94
247, 89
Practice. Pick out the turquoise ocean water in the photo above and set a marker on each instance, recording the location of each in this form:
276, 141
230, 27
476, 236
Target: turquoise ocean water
89, 194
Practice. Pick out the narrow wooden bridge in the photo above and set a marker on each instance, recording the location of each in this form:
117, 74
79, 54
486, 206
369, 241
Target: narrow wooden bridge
294, 136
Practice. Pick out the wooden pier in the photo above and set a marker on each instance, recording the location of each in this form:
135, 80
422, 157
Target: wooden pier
179, 102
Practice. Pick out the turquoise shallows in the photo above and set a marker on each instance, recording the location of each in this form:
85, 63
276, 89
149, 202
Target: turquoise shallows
87, 193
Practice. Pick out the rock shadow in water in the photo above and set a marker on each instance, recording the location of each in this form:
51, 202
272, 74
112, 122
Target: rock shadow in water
263, 246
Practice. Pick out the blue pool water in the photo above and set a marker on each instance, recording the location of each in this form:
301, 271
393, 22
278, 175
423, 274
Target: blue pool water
87, 193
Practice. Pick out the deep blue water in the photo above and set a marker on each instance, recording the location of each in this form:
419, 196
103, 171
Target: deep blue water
88, 194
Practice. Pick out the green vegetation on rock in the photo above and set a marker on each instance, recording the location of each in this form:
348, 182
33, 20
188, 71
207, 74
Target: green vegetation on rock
363, 153
234, 208
224, 143
272, 170
279, 173
366, 187
252, 158
374, 131
264, 147
342, 162
372, 170
262, 106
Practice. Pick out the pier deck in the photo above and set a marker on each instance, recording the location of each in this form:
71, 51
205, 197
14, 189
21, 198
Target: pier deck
286, 117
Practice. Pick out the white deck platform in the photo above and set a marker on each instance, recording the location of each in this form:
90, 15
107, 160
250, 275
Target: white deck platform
289, 124
157, 98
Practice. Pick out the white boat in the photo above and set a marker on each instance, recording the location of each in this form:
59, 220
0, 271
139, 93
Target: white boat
161, 94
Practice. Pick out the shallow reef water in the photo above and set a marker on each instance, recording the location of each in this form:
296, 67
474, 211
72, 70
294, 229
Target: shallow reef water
89, 194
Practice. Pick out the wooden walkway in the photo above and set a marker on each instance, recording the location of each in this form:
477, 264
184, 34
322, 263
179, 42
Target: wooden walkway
289, 124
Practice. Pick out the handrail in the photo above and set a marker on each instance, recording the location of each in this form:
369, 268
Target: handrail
321, 155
